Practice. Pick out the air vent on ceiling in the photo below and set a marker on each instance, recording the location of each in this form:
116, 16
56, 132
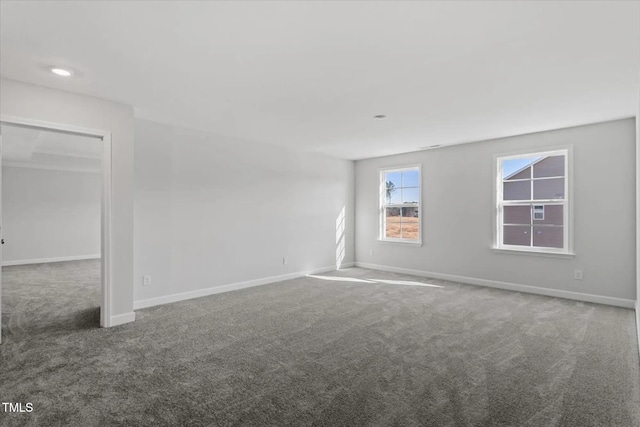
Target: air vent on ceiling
430, 147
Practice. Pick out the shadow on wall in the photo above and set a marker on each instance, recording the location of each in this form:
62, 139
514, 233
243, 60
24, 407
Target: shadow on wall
340, 244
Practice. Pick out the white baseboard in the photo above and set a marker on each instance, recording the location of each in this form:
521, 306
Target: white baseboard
167, 299
618, 302
45, 260
638, 320
120, 319
343, 265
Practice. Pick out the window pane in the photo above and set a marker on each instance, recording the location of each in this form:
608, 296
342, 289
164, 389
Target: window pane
553, 215
410, 195
409, 213
548, 237
393, 214
548, 189
392, 230
518, 190
517, 214
517, 235
393, 195
394, 177
392, 222
410, 179
410, 229
549, 166
511, 166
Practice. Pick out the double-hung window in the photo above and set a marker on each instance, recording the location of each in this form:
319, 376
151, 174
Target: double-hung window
533, 202
400, 205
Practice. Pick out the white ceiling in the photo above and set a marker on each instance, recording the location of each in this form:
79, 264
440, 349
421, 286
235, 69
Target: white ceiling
34, 148
311, 75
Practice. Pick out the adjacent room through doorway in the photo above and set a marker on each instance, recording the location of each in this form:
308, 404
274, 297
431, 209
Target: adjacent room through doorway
51, 229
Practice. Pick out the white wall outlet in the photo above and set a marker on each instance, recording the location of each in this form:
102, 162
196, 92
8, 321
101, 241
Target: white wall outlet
371, 252
146, 280
284, 260
577, 274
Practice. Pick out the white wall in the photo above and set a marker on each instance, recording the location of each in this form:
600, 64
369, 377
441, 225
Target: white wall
39, 103
49, 214
212, 211
458, 185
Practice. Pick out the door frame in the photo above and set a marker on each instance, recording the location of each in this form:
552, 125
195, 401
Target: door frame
105, 220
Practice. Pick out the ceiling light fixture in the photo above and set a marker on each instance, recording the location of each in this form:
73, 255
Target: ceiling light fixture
379, 116
60, 72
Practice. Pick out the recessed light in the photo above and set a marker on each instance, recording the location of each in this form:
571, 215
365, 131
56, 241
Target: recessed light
61, 72
379, 116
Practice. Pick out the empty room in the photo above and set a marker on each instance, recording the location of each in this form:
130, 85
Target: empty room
327, 213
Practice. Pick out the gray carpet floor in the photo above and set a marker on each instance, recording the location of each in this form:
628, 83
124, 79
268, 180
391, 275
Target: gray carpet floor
350, 348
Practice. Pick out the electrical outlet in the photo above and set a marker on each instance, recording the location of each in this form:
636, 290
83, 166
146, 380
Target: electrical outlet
284, 260
146, 280
577, 274
371, 252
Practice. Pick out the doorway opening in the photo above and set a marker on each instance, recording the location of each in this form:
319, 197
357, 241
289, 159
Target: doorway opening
55, 223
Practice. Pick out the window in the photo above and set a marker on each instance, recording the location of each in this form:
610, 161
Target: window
538, 212
533, 207
400, 205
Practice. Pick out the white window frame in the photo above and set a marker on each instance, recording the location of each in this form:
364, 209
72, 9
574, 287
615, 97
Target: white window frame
567, 204
382, 204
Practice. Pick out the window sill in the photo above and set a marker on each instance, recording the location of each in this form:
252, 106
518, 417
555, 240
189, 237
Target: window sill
401, 242
566, 255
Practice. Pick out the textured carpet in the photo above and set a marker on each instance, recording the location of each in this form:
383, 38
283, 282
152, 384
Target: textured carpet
350, 348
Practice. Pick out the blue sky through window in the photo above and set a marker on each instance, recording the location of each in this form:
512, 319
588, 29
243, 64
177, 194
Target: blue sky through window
406, 186
410, 195
393, 177
410, 179
512, 165
403, 179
